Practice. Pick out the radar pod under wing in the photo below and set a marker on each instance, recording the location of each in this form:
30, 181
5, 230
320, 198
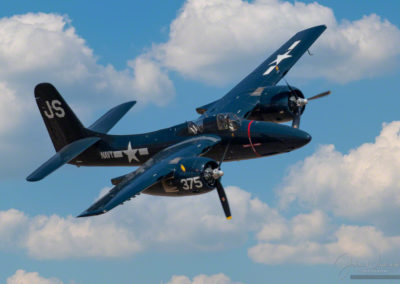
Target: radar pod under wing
62, 157
153, 171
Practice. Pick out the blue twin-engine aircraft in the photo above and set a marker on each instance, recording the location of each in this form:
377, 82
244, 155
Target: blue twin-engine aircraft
185, 159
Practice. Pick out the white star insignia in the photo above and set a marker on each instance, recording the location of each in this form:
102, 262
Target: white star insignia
280, 57
131, 153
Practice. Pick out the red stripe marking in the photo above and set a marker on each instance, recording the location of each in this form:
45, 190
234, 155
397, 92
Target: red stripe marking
251, 143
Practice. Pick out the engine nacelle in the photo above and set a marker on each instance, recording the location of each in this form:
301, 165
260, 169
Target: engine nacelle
194, 175
277, 104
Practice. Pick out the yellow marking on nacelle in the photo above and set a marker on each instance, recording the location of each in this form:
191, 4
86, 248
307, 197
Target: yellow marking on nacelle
183, 168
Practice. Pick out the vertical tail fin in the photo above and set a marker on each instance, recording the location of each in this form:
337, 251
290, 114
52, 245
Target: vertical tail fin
69, 136
61, 122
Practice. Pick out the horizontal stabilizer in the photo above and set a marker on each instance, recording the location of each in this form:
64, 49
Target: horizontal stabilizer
62, 157
108, 120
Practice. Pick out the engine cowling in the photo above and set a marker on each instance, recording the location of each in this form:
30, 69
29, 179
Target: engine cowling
278, 104
194, 175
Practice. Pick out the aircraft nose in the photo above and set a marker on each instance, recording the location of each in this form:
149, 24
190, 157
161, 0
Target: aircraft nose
286, 138
292, 138
299, 138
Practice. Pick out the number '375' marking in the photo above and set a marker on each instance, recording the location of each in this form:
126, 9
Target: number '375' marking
189, 183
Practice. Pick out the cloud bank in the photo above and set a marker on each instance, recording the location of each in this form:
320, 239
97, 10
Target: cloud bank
202, 279
45, 47
23, 277
360, 185
182, 224
217, 41
194, 224
39, 47
314, 239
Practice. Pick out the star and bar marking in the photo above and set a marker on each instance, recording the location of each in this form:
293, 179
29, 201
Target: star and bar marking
130, 153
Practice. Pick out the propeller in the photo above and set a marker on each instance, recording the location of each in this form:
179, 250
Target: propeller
300, 103
217, 174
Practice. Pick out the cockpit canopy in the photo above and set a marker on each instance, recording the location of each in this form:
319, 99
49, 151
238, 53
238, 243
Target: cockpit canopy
220, 122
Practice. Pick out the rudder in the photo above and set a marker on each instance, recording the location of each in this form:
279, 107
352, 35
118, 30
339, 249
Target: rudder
61, 122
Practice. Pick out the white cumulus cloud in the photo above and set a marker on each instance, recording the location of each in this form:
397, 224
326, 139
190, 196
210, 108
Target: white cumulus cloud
57, 237
194, 224
217, 41
45, 47
146, 223
202, 279
23, 277
11, 106
362, 184
313, 239
12, 222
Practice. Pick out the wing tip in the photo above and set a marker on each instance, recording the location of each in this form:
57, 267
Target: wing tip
32, 178
128, 105
131, 103
323, 26
36, 175
320, 28
91, 213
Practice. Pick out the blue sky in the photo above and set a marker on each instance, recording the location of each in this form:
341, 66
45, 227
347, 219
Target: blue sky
293, 214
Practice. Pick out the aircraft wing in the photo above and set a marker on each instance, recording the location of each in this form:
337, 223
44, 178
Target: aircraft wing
245, 95
151, 172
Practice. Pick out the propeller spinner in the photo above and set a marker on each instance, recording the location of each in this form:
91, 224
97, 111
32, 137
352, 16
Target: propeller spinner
300, 103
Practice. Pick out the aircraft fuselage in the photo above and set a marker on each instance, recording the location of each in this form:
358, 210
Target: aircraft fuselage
253, 139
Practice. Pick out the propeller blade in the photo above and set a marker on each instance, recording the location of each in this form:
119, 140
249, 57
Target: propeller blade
223, 199
296, 121
320, 95
223, 155
291, 90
